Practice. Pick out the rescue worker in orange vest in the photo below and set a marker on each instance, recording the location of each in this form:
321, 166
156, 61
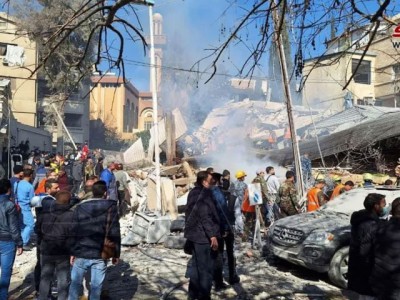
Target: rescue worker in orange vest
315, 196
249, 213
51, 174
272, 139
287, 137
337, 180
341, 188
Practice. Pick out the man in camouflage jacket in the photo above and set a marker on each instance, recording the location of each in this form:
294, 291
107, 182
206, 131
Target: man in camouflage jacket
288, 204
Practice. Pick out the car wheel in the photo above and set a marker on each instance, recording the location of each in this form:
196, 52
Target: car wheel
339, 267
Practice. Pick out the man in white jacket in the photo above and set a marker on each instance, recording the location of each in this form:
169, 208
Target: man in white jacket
273, 185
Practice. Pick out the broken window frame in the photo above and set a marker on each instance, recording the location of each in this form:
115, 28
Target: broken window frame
363, 75
147, 125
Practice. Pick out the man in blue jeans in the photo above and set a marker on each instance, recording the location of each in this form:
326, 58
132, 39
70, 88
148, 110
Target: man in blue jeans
10, 236
93, 221
23, 191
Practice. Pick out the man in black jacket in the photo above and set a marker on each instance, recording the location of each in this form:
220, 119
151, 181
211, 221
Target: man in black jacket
385, 278
94, 220
52, 188
222, 199
364, 224
55, 247
202, 231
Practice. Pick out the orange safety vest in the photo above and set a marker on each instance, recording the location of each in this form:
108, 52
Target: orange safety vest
336, 191
312, 199
287, 134
272, 138
41, 187
246, 207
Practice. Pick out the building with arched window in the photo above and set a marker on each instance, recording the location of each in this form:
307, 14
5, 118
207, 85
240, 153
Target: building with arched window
119, 106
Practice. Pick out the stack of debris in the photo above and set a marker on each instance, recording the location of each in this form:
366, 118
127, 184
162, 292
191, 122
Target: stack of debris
345, 175
146, 224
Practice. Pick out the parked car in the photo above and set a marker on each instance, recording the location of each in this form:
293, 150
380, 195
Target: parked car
320, 240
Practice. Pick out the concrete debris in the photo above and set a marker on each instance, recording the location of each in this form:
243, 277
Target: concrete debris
147, 227
224, 124
174, 241
144, 224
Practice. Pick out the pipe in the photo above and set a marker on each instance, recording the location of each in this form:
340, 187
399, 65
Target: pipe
63, 125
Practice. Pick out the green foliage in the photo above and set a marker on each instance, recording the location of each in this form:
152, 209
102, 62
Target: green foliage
71, 63
105, 137
145, 136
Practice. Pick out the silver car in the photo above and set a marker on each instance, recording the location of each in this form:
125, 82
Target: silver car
320, 240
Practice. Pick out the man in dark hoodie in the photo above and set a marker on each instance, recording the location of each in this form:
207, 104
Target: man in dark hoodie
55, 247
385, 278
364, 224
93, 220
202, 231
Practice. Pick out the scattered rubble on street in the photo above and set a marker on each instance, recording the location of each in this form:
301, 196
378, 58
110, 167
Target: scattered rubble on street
154, 265
150, 271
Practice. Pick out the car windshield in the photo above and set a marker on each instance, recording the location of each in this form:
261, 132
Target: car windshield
353, 200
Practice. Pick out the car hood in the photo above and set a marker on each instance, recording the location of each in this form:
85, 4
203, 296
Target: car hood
307, 222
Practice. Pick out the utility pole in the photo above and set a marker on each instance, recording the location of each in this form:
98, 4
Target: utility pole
153, 75
288, 96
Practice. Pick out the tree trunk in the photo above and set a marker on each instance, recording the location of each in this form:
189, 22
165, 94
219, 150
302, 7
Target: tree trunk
60, 130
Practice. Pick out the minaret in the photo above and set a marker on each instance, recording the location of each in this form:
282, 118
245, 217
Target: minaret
159, 44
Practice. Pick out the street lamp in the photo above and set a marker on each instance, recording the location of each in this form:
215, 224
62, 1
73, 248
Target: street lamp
150, 4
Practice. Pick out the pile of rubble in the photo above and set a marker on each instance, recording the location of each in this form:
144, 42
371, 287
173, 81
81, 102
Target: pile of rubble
346, 175
145, 224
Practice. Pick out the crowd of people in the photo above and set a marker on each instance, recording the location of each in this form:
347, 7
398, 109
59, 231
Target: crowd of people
219, 212
73, 205
68, 208
373, 267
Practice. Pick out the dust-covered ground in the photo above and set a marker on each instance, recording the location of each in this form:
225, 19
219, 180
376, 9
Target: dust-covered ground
155, 272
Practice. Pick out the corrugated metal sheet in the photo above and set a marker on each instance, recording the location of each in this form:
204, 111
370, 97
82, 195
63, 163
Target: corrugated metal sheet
357, 137
354, 115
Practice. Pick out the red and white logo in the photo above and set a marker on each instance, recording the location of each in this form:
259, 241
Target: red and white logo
396, 32
395, 36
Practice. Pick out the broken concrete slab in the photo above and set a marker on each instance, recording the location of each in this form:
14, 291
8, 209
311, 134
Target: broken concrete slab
174, 242
170, 170
149, 227
184, 180
168, 197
